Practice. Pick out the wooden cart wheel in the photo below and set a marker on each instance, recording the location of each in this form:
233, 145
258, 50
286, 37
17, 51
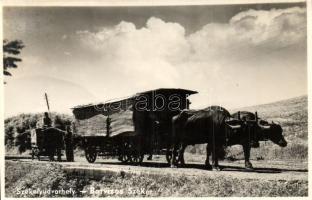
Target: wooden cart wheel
136, 158
124, 158
90, 154
125, 152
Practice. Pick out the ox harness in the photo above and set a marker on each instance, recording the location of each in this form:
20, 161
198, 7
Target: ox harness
233, 136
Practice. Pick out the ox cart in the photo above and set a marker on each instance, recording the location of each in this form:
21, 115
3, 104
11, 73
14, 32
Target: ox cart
130, 128
47, 142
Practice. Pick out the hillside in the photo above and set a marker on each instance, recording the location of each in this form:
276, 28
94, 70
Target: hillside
292, 114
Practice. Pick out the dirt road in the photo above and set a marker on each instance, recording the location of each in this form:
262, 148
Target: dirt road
264, 170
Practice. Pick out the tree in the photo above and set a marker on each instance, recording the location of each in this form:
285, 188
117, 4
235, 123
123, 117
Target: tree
11, 48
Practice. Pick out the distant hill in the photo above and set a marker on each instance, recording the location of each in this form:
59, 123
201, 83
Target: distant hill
292, 114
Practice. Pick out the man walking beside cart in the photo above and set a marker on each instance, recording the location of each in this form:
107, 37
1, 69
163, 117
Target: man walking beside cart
69, 145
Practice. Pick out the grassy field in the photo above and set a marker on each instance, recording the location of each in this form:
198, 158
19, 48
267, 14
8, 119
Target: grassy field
24, 177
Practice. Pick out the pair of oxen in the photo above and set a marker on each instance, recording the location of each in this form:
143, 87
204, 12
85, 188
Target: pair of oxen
216, 127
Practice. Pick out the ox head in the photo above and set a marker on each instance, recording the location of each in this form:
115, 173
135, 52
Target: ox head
271, 131
261, 129
265, 130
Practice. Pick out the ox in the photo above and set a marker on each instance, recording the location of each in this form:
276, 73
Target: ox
210, 126
257, 130
215, 127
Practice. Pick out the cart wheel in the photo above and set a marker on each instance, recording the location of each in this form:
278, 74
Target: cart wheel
124, 156
91, 154
136, 159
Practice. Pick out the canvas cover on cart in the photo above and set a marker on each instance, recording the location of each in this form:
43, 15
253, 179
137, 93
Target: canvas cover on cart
97, 121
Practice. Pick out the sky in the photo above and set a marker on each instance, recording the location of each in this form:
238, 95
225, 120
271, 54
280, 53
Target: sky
233, 55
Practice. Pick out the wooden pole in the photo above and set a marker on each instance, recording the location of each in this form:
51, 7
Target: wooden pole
47, 101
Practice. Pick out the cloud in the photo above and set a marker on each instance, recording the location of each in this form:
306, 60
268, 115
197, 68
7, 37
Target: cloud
160, 54
252, 31
157, 39
143, 56
285, 26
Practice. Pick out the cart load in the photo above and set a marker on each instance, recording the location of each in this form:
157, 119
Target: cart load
104, 120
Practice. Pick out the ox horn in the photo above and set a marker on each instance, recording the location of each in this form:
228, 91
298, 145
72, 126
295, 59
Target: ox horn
276, 122
233, 126
263, 126
258, 122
